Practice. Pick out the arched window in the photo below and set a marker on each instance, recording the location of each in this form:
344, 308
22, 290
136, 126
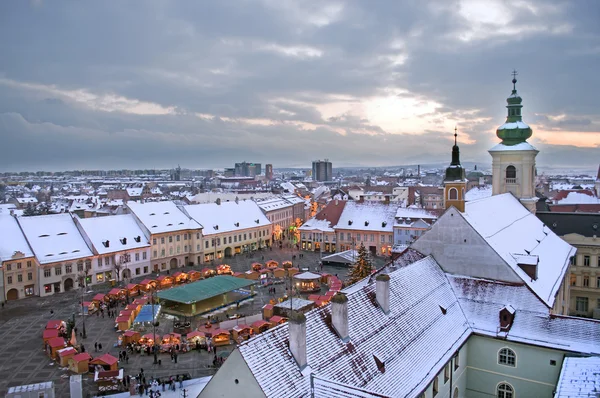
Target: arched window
511, 172
505, 390
453, 194
507, 357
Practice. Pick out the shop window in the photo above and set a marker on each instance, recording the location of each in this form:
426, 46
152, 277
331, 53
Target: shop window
586, 261
48, 288
507, 357
100, 277
108, 275
29, 291
504, 390
581, 304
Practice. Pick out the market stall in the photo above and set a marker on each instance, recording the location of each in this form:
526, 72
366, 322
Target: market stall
252, 275
256, 267
116, 293
108, 381
53, 345
260, 326
196, 337
267, 311
224, 269
286, 264
221, 337
242, 332
194, 275
171, 338
98, 298
49, 334
149, 339
148, 284
279, 273
106, 361
55, 324
128, 313
130, 336
80, 363
307, 282
180, 277
133, 289
140, 301
165, 281
277, 320
122, 323
208, 272
64, 355
272, 264
292, 271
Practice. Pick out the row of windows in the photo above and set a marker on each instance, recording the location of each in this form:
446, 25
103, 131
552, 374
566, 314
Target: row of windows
587, 261
186, 236
9, 279
582, 304
585, 281
365, 237
9, 266
447, 370
68, 268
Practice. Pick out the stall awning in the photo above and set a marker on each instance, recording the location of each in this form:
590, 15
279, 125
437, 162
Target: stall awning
204, 289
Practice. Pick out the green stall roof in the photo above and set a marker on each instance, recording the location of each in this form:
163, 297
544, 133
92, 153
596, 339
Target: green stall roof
204, 289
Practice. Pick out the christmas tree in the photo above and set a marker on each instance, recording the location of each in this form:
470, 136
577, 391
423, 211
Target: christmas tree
362, 267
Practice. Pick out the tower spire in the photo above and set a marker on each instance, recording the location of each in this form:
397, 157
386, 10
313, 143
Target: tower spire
455, 135
514, 80
514, 130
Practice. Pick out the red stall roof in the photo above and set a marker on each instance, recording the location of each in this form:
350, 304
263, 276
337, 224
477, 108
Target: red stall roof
195, 333
53, 324
132, 286
259, 323
82, 357
122, 319
146, 281
56, 342
130, 333
67, 351
276, 319
99, 297
115, 291
106, 359
50, 333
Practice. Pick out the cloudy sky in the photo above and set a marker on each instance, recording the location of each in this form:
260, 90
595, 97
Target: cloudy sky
116, 84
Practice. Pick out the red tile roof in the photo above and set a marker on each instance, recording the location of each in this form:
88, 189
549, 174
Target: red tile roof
332, 212
563, 193
84, 356
105, 359
577, 208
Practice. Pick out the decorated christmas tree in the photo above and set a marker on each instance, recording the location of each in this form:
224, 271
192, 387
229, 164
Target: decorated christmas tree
362, 267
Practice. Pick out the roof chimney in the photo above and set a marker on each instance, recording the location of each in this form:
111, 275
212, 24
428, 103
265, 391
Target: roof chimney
297, 332
339, 315
382, 292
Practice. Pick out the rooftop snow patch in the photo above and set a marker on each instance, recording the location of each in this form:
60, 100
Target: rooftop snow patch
161, 217
480, 192
13, 242
228, 216
579, 377
522, 146
509, 228
368, 217
114, 229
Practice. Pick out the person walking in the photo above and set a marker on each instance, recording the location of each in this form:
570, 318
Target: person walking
96, 347
99, 346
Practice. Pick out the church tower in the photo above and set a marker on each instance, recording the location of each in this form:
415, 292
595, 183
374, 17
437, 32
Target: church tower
513, 160
455, 181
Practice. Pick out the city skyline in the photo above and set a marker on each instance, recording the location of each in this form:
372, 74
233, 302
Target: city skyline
112, 85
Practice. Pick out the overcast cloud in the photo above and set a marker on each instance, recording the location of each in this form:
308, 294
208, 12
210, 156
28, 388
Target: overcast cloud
114, 84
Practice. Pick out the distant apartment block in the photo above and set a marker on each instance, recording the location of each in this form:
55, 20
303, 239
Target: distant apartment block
322, 170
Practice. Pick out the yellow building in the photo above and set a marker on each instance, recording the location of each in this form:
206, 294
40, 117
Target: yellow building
19, 266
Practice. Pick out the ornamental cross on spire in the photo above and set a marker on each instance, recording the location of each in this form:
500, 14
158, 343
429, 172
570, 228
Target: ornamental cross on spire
455, 135
514, 80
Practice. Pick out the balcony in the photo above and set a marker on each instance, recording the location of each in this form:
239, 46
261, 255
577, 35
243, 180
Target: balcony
510, 181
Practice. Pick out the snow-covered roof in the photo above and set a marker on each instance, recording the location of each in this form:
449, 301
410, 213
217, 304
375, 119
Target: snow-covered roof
513, 125
293, 199
579, 377
416, 332
578, 198
134, 192
512, 231
161, 217
411, 212
13, 241
347, 256
522, 146
368, 217
319, 225
27, 200
54, 238
480, 192
228, 216
295, 303
307, 276
121, 232
271, 204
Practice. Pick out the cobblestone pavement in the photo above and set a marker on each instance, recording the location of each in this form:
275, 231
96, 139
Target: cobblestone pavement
23, 361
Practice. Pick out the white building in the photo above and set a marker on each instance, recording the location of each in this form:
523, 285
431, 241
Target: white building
175, 237
231, 228
61, 251
121, 247
410, 223
280, 213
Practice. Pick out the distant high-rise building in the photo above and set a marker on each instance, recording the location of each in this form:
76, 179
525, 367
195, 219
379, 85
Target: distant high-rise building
269, 171
245, 169
322, 170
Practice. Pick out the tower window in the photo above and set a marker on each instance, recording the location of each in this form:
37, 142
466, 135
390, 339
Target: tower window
453, 194
511, 172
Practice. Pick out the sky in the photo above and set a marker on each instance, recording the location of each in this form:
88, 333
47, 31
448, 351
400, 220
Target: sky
203, 84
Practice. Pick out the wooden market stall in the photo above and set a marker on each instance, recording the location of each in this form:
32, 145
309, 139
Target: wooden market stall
196, 337
256, 267
194, 275
55, 324
49, 334
65, 354
260, 326
208, 272
116, 293
272, 264
277, 320
267, 311
180, 277
307, 282
107, 361
55, 344
130, 336
140, 302
171, 338
148, 284
292, 271
286, 264
149, 339
221, 337
165, 281
108, 381
252, 275
80, 363
133, 289
99, 298
242, 332
279, 273
128, 313
224, 269
123, 322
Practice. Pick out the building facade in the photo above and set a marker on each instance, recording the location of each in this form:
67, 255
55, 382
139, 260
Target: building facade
280, 213
322, 170
19, 265
269, 172
410, 223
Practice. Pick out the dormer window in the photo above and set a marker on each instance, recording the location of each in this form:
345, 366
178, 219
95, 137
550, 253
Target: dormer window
123, 241
349, 222
366, 223
106, 243
507, 316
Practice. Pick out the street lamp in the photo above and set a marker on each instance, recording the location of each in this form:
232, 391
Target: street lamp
82, 287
